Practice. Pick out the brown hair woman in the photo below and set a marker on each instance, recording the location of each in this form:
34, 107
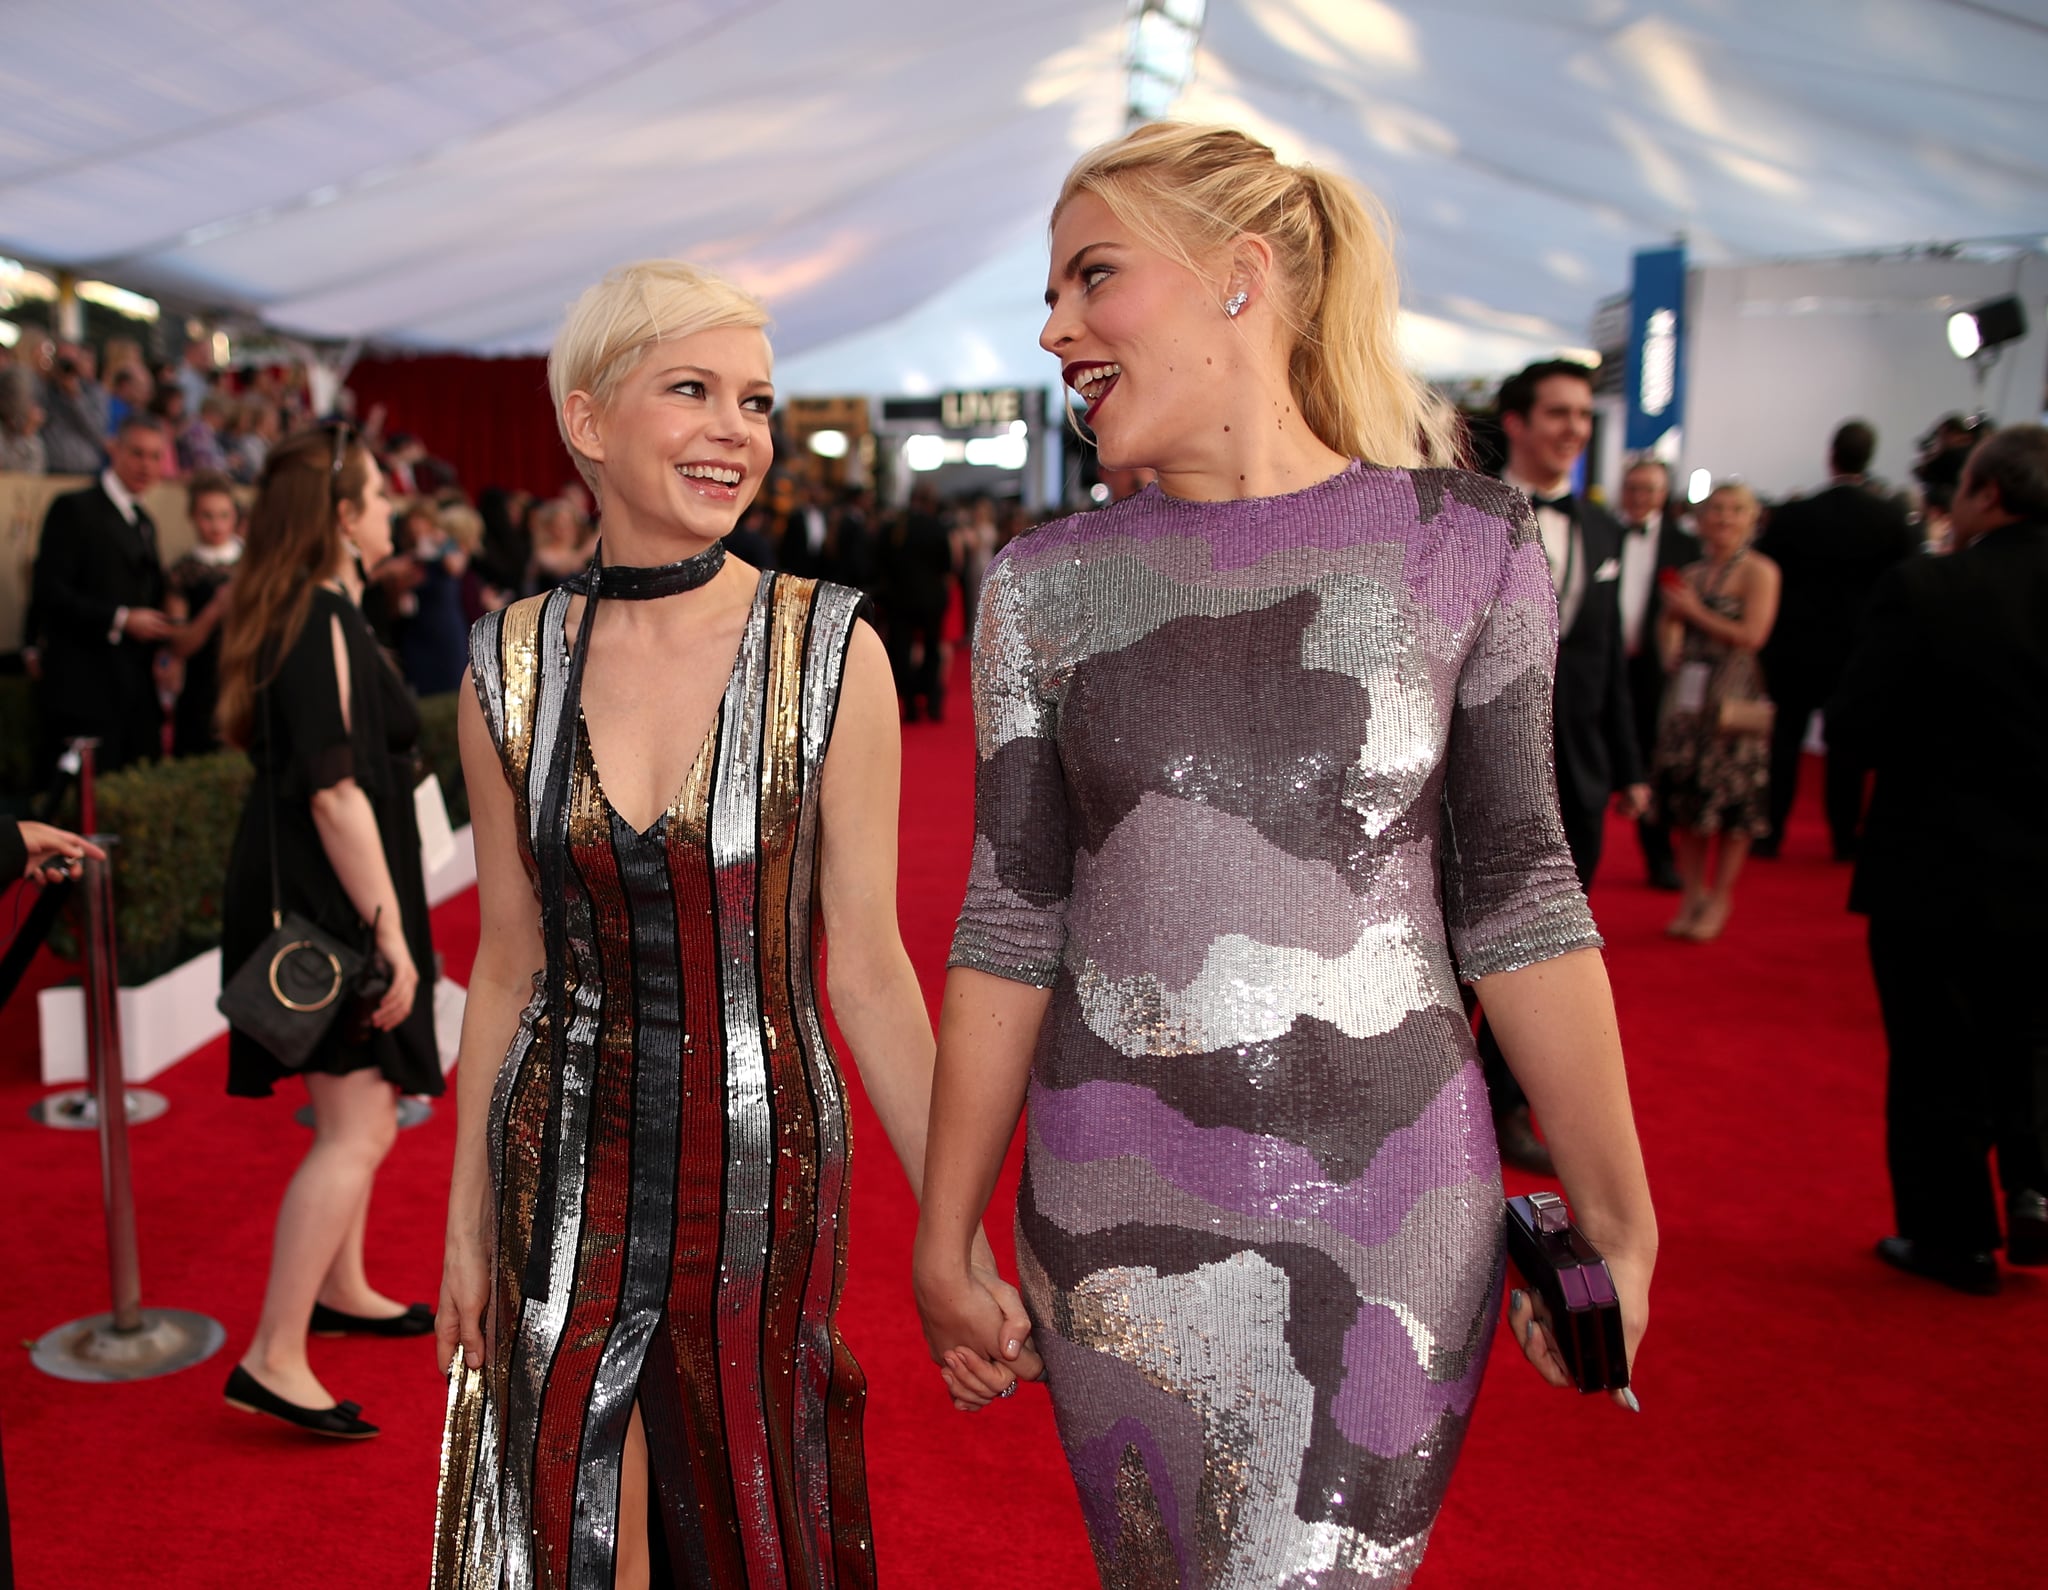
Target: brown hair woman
332, 730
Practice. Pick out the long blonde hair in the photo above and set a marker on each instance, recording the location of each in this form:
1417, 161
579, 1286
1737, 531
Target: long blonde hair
1188, 190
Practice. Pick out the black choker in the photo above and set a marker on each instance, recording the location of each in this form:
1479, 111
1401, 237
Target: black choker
625, 584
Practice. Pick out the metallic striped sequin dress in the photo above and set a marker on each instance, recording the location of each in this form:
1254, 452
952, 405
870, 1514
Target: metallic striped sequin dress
700, 1155
1259, 782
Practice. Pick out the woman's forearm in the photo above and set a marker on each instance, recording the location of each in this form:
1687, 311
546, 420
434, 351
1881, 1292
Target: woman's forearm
1556, 1026
355, 849
880, 1008
988, 1029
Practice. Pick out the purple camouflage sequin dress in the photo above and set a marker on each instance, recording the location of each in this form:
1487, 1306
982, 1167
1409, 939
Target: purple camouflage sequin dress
1259, 782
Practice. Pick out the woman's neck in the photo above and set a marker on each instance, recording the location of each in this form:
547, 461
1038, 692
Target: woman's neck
1265, 450
347, 577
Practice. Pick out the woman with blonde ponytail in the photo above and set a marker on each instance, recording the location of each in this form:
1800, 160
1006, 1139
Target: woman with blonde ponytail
1264, 775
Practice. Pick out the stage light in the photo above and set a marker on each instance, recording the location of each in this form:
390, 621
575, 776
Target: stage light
829, 444
1697, 487
998, 452
1986, 328
924, 452
1098, 492
10, 334
120, 300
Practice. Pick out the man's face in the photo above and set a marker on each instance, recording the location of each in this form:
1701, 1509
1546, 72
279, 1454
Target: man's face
139, 456
1544, 444
1642, 494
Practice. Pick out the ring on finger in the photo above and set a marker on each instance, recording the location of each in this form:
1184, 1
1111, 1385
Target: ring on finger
1008, 1391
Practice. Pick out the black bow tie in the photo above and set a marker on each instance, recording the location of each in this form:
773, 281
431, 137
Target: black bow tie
1562, 503
1642, 529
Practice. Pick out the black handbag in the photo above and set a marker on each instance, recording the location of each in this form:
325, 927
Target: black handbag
301, 978
1570, 1289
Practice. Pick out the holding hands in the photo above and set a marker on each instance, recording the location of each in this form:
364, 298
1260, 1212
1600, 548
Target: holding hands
976, 1327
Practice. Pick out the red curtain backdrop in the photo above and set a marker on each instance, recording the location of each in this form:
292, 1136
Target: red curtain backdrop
490, 418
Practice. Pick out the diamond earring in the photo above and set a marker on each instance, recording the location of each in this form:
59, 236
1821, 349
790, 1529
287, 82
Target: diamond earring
1234, 303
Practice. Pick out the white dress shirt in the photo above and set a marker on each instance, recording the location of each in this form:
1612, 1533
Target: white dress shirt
118, 494
1638, 580
1563, 551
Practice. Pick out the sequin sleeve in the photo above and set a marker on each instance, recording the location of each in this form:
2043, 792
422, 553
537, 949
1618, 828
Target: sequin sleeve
1511, 895
1013, 921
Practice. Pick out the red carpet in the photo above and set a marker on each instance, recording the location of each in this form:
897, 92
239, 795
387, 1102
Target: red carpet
1809, 1417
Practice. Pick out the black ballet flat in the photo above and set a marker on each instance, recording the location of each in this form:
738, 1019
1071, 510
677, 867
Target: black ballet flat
417, 1320
342, 1422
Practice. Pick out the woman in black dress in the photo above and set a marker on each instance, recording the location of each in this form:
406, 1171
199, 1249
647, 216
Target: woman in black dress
332, 730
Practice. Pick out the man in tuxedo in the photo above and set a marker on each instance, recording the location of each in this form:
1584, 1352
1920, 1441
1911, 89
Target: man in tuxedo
1946, 698
98, 600
1546, 417
1830, 548
1655, 542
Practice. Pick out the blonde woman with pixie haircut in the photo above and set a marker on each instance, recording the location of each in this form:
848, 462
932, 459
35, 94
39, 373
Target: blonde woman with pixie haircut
679, 769
1264, 774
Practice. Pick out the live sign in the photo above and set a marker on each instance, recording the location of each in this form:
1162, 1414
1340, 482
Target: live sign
966, 410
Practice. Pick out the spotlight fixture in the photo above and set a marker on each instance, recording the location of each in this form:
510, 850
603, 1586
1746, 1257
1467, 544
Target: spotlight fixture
1986, 328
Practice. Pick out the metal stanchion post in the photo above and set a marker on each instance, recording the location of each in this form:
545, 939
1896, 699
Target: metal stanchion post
78, 1109
129, 1342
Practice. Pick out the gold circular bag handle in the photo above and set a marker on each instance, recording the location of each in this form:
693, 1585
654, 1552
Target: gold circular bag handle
286, 1000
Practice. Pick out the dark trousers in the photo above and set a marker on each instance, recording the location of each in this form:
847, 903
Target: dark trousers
1799, 696
1966, 1022
1583, 832
917, 635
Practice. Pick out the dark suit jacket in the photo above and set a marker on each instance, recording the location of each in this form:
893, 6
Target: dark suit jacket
1594, 718
1830, 548
91, 562
1676, 548
1946, 696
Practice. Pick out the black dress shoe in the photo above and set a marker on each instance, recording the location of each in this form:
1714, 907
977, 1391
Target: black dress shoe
1975, 1273
2026, 1229
418, 1320
1519, 1144
342, 1422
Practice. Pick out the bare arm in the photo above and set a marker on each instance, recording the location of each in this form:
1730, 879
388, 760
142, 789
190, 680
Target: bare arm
1556, 1025
873, 988
1759, 608
347, 825
191, 630
509, 953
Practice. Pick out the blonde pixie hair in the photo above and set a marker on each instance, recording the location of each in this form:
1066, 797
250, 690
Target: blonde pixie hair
1188, 190
613, 325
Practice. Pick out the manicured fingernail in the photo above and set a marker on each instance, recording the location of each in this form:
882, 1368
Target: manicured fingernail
1012, 1349
1516, 1299
1628, 1396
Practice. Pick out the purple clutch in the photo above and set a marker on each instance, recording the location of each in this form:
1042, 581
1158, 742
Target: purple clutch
1571, 1289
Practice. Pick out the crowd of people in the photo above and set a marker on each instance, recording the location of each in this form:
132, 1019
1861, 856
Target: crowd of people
1207, 737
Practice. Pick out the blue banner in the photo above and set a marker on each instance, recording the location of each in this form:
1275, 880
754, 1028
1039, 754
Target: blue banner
1655, 385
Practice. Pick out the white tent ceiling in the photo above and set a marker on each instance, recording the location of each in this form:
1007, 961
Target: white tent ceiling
448, 173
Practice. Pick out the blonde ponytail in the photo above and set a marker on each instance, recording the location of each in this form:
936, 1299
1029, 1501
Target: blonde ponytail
1189, 190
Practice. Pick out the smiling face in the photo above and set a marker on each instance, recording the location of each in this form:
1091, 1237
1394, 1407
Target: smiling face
1544, 443
683, 444
1140, 337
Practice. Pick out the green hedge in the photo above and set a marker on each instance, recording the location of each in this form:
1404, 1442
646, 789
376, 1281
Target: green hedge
176, 821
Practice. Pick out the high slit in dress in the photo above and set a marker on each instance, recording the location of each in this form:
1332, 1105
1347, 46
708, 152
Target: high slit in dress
699, 1155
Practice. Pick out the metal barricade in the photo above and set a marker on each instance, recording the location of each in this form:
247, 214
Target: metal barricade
78, 1109
129, 1342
